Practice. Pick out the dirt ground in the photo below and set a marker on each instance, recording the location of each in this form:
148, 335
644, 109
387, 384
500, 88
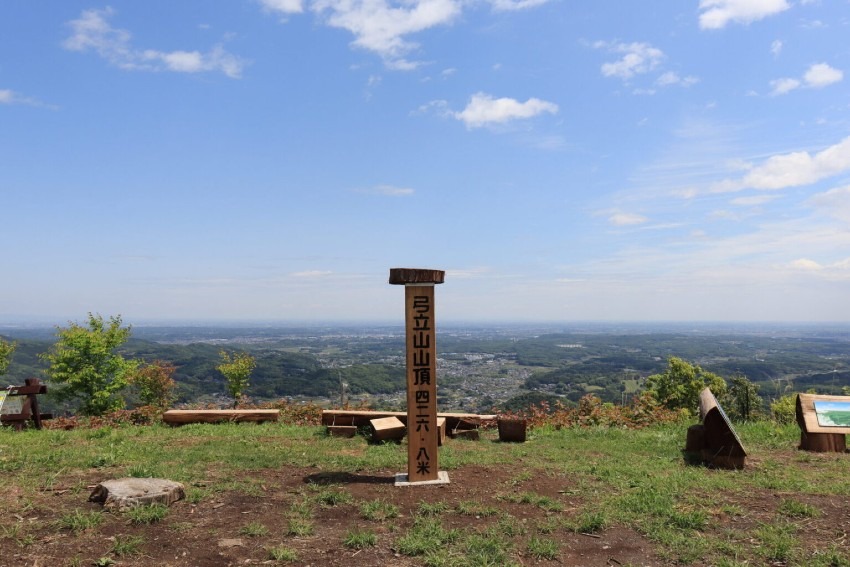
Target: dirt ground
212, 532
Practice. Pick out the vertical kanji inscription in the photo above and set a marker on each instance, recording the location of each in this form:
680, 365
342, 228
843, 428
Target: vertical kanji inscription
421, 344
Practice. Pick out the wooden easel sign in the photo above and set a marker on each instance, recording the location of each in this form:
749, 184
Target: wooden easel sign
421, 356
824, 422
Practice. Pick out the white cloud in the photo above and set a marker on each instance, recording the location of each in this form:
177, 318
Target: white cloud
8, 96
92, 32
513, 5
805, 264
783, 86
638, 58
389, 191
672, 79
483, 109
817, 76
793, 169
776, 48
821, 75
381, 26
717, 13
753, 201
627, 219
834, 203
284, 6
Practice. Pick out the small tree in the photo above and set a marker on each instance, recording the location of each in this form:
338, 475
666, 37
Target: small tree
742, 401
679, 386
6, 351
236, 370
155, 383
85, 362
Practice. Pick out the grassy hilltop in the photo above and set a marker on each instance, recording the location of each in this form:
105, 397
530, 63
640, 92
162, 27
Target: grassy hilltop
280, 493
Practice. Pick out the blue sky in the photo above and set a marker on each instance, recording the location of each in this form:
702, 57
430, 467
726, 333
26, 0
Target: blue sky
561, 160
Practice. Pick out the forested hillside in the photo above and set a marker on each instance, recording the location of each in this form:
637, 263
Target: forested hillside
479, 367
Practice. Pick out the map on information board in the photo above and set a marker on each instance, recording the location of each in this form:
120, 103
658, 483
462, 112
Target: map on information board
832, 413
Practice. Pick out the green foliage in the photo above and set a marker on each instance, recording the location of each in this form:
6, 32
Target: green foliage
147, 514
155, 383
282, 553
6, 350
84, 360
299, 527
679, 386
254, 529
360, 539
127, 545
236, 370
79, 521
784, 410
543, 548
796, 509
378, 510
742, 401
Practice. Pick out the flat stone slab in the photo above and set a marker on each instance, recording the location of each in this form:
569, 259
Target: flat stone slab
123, 493
401, 479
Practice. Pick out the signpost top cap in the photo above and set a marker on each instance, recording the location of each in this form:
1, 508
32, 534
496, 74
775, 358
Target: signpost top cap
402, 276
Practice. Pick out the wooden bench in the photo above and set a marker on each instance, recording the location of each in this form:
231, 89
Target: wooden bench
29, 406
183, 417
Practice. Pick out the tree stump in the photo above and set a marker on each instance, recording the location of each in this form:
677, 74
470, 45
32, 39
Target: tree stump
124, 493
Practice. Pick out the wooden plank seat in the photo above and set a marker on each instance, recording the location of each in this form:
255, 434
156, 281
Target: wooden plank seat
454, 421
30, 411
183, 417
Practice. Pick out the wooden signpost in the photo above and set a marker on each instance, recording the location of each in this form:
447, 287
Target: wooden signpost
824, 422
715, 441
421, 346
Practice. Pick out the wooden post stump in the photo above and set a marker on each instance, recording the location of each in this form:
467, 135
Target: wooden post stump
823, 442
512, 430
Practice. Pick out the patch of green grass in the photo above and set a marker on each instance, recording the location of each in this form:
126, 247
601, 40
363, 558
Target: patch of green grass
542, 502
142, 471
332, 496
777, 541
431, 508
510, 526
141, 515
282, 553
127, 545
796, 509
487, 549
79, 521
427, 535
832, 557
360, 539
195, 495
548, 526
299, 527
543, 548
475, 508
301, 509
16, 533
590, 522
378, 510
689, 520
254, 529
